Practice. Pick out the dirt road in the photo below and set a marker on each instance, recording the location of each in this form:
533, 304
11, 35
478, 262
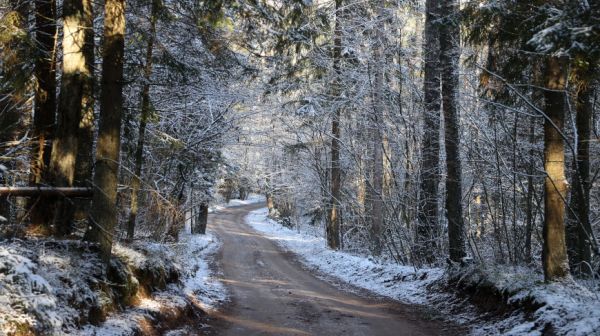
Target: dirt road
273, 295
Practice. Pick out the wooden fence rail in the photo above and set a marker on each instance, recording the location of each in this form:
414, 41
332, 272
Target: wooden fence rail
47, 191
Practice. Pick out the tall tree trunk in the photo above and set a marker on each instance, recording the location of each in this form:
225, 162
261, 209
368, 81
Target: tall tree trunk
376, 125
103, 214
388, 168
427, 217
64, 147
449, 57
45, 103
579, 229
202, 220
139, 151
554, 254
333, 218
530, 193
84, 162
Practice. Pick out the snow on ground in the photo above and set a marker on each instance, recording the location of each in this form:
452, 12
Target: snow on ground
46, 285
570, 309
399, 282
201, 282
565, 308
252, 199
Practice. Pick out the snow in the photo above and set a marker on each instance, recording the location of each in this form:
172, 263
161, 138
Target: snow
399, 282
41, 287
569, 308
47, 285
200, 282
252, 199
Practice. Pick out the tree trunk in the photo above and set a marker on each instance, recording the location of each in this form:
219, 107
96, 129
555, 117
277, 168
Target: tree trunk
64, 147
45, 103
554, 254
139, 151
376, 119
103, 214
530, 194
84, 162
427, 217
202, 219
333, 219
580, 230
388, 168
270, 203
449, 57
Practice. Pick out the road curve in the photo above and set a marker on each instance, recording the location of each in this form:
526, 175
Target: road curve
271, 294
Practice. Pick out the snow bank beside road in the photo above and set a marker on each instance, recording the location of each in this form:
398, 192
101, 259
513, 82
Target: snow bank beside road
399, 282
55, 287
538, 308
200, 281
198, 284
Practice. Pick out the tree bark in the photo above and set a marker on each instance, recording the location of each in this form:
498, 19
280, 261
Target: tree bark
270, 202
84, 163
333, 219
64, 147
427, 217
103, 214
45, 103
202, 219
554, 253
579, 229
139, 151
376, 119
530, 194
449, 57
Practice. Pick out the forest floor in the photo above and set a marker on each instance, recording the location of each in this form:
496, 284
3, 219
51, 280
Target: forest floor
58, 287
272, 293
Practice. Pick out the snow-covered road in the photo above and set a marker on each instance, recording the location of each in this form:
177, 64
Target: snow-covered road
271, 293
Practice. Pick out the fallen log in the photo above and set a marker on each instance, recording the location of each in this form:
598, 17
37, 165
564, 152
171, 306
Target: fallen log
47, 191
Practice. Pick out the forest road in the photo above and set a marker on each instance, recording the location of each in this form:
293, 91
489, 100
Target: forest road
271, 294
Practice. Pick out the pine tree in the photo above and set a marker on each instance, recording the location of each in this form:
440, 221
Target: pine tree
449, 58
333, 220
103, 213
45, 104
428, 226
145, 115
65, 145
